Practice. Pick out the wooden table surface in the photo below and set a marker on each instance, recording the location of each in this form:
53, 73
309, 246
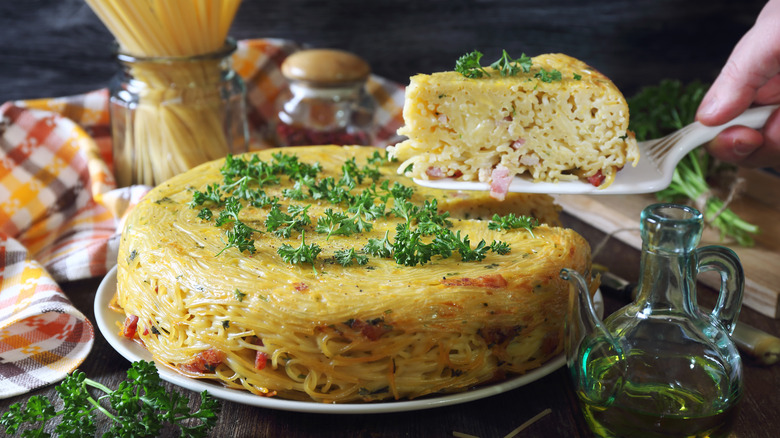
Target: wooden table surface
57, 48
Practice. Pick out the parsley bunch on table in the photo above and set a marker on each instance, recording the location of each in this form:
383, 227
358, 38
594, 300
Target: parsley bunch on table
659, 110
139, 407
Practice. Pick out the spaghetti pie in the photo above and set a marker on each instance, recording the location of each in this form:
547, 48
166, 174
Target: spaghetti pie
314, 273
560, 120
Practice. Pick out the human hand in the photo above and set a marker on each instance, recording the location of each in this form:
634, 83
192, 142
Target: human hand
751, 76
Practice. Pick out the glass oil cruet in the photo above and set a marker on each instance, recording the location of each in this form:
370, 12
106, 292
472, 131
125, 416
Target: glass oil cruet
661, 366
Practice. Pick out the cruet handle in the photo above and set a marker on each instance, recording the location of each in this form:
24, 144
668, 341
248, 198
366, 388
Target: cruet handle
732, 282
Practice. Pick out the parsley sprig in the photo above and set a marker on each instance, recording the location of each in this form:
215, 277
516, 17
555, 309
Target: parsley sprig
213, 194
379, 247
511, 221
283, 224
304, 253
345, 256
511, 67
548, 76
239, 237
139, 407
469, 65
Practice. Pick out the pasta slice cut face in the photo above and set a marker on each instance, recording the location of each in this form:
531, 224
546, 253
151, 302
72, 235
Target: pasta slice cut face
561, 120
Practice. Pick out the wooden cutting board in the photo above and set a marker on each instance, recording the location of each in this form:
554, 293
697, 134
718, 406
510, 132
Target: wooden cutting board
759, 204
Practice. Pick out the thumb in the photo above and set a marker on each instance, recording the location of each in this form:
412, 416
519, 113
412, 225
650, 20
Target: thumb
753, 62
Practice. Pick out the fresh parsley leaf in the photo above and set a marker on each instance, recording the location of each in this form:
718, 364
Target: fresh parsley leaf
448, 242
351, 171
260, 199
296, 192
302, 254
252, 169
230, 211
662, 109
511, 221
320, 189
239, 237
469, 65
500, 247
379, 247
139, 407
212, 194
345, 256
242, 188
377, 159
283, 224
548, 76
335, 223
289, 164
400, 191
408, 247
206, 214
430, 217
405, 209
38, 411
511, 67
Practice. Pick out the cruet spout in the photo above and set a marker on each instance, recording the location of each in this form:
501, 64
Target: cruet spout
594, 357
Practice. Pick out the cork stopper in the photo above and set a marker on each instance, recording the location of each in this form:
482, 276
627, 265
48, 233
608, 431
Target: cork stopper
325, 67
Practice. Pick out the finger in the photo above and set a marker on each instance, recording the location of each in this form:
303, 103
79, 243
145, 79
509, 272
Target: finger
748, 147
752, 63
769, 93
768, 155
735, 145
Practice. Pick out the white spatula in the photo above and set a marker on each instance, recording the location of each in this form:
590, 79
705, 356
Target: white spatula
657, 161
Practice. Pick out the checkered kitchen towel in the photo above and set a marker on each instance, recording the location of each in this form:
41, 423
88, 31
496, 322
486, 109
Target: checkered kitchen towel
61, 212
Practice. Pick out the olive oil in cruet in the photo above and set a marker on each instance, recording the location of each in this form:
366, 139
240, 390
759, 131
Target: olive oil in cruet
660, 366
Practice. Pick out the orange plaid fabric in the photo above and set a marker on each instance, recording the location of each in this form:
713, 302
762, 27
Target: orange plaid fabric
61, 212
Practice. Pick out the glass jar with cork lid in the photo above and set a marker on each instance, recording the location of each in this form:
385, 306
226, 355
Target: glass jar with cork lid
326, 101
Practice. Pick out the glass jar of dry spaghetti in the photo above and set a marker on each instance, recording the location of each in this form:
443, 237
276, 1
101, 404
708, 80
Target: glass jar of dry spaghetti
169, 114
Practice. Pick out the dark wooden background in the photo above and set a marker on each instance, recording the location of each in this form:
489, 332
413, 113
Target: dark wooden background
59, 47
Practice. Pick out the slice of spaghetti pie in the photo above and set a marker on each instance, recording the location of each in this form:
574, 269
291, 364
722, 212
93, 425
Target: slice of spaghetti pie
559, 120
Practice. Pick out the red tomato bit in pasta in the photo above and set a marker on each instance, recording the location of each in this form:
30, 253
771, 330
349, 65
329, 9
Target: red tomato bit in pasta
205, 361
373, 329
493, 281
597, 179
261, 359
130, 326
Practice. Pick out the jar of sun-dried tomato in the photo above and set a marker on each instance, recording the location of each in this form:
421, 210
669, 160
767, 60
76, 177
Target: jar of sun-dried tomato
326, 101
